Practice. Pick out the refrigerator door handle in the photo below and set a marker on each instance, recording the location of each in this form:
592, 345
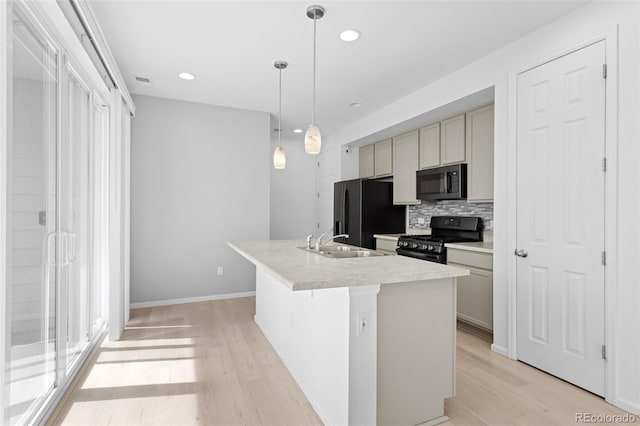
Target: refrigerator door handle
345, 212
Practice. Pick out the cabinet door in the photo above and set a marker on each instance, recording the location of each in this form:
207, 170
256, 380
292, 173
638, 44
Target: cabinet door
405, 163
383, 158
366, 161
430, 146
452, 140
475, 297
386, 246
480, 154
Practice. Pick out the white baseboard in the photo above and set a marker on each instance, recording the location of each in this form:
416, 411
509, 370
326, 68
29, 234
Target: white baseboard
500, 350
155, 303
626, 405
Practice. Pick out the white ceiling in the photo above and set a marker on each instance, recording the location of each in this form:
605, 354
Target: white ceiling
231, 45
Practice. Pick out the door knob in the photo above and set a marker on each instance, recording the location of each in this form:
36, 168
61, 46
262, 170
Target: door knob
521, 253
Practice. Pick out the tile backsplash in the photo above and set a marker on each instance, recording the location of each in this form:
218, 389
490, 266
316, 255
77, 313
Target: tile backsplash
450, 208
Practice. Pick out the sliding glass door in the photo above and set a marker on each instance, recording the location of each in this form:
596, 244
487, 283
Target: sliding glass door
57, 218
30, 334
74, 216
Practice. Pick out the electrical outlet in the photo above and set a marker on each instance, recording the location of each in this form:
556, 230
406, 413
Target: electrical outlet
421, 220
220, 270
363, 324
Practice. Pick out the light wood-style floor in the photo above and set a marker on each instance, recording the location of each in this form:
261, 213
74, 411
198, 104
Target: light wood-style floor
208, 363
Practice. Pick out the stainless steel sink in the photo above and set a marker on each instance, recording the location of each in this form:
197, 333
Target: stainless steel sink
343, 252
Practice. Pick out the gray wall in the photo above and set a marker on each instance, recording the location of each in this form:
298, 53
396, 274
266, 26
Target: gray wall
293, 192
199, 178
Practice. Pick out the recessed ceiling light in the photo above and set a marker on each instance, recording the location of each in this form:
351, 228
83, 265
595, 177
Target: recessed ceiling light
297, 130
349, 35
186, 76
355, 104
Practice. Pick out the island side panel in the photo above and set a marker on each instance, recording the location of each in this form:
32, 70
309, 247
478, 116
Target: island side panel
310, 332
416, 351
363, 312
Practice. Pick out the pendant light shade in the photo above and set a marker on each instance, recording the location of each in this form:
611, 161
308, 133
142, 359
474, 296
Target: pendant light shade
313, 138
279, 155
279, 158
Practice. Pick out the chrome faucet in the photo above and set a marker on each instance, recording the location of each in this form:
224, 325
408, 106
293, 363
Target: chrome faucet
321, 237
320, 243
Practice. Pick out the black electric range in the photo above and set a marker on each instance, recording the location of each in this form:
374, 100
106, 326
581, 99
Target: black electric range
444, 229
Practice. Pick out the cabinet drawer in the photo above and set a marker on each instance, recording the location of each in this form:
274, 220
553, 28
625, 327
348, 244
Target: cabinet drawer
470, 258
386, 245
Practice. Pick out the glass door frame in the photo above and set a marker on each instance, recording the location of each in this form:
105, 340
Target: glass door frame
47, 20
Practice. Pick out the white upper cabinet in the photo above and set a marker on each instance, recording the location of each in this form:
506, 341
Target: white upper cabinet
376, 160
452, 142
465, 138
480, 154
430, 146
366, 161
406, 149
383, 158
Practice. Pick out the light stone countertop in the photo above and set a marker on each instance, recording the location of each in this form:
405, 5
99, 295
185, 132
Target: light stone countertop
480, 246
410, 231
302, 270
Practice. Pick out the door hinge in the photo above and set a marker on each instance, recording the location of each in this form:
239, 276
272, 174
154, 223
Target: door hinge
604, 164
604, 70
604, 351
318, 225
318, 164
604, 257
318, 195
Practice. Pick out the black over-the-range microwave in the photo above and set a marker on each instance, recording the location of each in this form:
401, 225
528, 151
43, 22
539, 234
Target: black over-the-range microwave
442, 183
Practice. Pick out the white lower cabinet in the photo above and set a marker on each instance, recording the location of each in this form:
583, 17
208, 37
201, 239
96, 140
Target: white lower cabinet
475, 291
386, 246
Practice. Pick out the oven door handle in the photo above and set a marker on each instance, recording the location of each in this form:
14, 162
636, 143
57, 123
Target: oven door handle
438, 258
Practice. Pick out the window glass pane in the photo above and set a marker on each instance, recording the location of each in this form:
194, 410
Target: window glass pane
31, 277
75, 218
99, 178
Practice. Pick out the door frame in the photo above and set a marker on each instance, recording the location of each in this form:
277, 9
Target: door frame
610, 38
4, 137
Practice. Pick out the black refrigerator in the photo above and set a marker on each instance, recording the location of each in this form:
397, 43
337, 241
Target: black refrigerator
363, 207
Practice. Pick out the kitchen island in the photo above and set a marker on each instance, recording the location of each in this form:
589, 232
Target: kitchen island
369, 340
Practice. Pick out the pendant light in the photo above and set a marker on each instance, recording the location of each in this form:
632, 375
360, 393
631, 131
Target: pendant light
279, 155
313, 138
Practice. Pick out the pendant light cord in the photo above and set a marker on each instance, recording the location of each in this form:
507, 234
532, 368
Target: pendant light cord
313, 110
280, 109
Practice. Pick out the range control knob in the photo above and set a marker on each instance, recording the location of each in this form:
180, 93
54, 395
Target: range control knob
413, 245
430, 247
423, 247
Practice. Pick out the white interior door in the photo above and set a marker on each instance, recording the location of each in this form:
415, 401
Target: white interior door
560, 213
